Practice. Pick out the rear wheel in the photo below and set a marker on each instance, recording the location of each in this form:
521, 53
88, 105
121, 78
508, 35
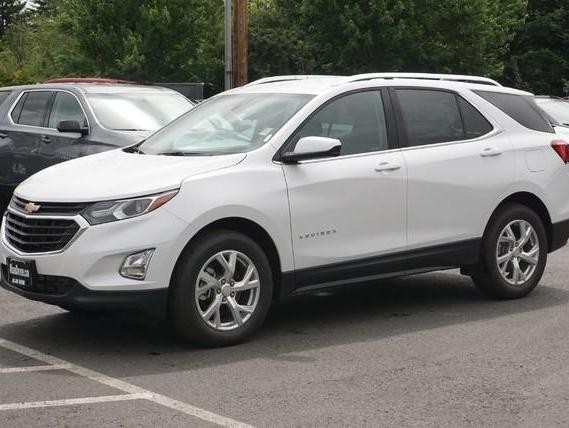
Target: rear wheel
221, 290
513, 253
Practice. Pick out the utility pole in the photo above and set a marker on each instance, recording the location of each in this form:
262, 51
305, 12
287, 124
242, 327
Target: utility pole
228, 44
240, 76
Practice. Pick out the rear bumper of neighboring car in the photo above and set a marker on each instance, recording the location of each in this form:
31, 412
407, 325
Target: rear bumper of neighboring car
86, 274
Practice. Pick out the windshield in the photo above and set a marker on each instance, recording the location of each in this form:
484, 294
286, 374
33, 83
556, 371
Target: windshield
227, 124
137, 111
558, 109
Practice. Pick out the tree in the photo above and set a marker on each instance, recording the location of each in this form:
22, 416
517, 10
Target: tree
34, 48
9, 12
147, 40
539, 60
43, 7
353, 36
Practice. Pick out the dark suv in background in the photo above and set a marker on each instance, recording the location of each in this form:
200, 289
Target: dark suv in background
41, 125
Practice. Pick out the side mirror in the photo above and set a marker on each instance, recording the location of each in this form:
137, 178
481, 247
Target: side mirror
72, 126
313, 148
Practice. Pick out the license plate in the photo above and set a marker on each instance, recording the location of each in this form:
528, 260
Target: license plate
20, 273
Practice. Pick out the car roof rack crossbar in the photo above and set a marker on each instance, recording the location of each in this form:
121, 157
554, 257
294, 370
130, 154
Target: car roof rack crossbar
424, 76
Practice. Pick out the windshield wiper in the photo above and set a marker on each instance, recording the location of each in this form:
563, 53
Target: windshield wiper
180, 153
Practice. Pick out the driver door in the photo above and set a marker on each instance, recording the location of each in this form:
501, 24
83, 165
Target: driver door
55, 146
350, 209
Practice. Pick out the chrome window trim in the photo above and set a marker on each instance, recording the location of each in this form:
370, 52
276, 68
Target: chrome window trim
81, 222
26, 91
493, 133
341, 157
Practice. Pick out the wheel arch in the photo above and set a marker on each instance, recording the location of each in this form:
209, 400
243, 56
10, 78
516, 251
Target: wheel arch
533, 202
254, 231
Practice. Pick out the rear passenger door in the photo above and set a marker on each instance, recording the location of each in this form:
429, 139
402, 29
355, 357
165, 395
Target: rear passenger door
24, 132
458, 164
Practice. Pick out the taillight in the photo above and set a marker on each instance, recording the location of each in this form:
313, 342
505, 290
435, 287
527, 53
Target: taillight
561, 147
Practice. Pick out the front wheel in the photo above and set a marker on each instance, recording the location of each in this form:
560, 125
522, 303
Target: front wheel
221, 290
513, 253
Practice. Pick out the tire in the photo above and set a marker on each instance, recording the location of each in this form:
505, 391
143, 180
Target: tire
500, 280
188, 308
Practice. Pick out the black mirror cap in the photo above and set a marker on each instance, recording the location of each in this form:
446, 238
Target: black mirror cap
291, 157
72, 126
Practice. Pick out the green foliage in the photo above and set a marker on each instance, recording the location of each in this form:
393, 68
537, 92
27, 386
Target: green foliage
182, 40
345, 37
10, 10
147, 39
539, 58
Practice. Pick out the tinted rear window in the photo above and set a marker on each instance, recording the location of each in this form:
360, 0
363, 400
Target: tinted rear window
521, 108
430, 116
4, 96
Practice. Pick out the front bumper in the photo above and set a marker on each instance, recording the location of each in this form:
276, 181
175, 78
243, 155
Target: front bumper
90, 264
70, 294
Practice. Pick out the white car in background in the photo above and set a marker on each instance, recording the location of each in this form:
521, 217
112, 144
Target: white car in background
294, 184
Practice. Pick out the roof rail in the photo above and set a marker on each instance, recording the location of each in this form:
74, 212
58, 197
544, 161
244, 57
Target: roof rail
276, 79
425, 76
87, 80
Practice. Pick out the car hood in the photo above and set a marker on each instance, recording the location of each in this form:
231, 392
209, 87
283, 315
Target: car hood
116, 175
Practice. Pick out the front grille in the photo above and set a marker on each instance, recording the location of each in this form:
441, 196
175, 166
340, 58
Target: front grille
48, 208
45, 284
38, 235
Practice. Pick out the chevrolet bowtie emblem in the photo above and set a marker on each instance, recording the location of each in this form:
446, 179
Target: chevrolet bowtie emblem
30, 208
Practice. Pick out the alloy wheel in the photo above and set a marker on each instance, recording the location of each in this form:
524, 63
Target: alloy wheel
517, 252
227, 290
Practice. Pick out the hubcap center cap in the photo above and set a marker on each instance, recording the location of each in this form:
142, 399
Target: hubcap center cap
226, 290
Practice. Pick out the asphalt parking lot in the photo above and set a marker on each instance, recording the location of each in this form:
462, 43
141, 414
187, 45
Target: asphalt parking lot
425, 350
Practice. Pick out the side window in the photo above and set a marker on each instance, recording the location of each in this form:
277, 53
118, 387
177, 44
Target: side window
430, 116
357, 120
521, 108
475, 125
4, 96
32, 108
65, 107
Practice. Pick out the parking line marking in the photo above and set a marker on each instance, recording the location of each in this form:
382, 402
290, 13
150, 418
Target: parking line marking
8, 370
72, 401
163, 400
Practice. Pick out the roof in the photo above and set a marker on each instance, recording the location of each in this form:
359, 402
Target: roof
319, 84
93, 87
87, 80
373, 76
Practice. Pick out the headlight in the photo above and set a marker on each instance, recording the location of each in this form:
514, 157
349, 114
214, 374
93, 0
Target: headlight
105, 212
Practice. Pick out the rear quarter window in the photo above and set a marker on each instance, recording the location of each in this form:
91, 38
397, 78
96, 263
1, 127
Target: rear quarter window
521, 108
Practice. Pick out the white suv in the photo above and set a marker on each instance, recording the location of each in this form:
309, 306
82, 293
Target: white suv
291, 185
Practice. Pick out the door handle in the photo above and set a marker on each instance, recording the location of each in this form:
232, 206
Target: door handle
3, 135
45, 139
387, 166
490, 151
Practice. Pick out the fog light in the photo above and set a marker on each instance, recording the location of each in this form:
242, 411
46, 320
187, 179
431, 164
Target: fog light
136, 265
